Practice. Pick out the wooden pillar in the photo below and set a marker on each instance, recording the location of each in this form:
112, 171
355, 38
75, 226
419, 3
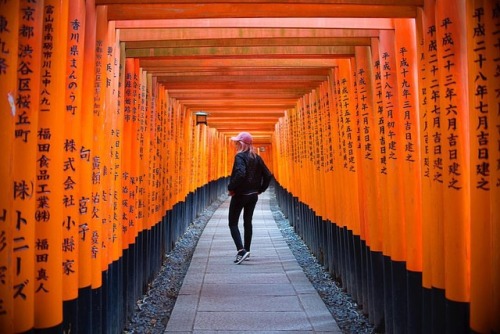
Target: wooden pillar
371, 188
432, 139
9, 66
99, 239
79, 97
88, 249
53, 186
483, 20
369, 184
453, 84
128, 192
114, 103
338, 169
328, 152
25, 147
494, 149
409, 162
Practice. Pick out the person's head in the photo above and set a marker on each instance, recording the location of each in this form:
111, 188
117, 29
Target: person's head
243, 141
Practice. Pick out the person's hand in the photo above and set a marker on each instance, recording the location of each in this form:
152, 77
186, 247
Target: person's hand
230, 192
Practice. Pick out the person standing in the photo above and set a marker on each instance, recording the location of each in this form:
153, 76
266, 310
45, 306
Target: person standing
249, 178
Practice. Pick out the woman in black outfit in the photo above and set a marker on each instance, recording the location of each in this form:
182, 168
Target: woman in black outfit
249, 178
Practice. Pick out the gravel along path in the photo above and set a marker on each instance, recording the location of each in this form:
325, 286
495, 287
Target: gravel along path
154, 308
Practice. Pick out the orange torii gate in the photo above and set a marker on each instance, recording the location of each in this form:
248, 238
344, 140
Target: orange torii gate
428, 142
383, 133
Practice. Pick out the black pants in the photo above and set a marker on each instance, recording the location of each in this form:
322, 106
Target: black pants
247, 204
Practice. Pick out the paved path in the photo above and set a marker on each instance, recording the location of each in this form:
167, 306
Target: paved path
269, 293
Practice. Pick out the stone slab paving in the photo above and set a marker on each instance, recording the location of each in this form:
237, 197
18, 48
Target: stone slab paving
269, 293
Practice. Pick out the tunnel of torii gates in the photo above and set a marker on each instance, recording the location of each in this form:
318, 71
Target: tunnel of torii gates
386, 160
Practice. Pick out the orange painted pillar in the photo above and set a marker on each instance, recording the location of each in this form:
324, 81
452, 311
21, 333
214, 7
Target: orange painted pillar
146, 147
105, 137
357, 176
406, 58
319, 153
148, 164
316, 184
381, 146
89, 253
347, 133
340, 149
379, 253
325, 148
115, 122
452, 61
394, 265
394, 146
382, 263
179, 141
369, 148
128, 192
188, 149
311, 148
139, 149
409, 162
483, 21
307, 152
356, 168
278, 152
170, 151
304, 152
352, 173
491, 10
56, 177
425, 137
432, 139
302, 142
25, 147
135, 222
123, 150
328, 151
298, 148
155, 140
287, 149
346, 128
99, 192
340, 217
337, 147
200, 137
75, 194
72, 227
331, 185
103, 122
308, 196
173, 150
283, 149
8, 91
315, 201
52, 182
370, 158
162, 114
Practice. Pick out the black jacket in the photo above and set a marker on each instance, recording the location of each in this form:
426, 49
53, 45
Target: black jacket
249, 175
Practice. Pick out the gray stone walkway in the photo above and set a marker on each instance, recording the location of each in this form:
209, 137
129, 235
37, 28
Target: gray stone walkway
269, 293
